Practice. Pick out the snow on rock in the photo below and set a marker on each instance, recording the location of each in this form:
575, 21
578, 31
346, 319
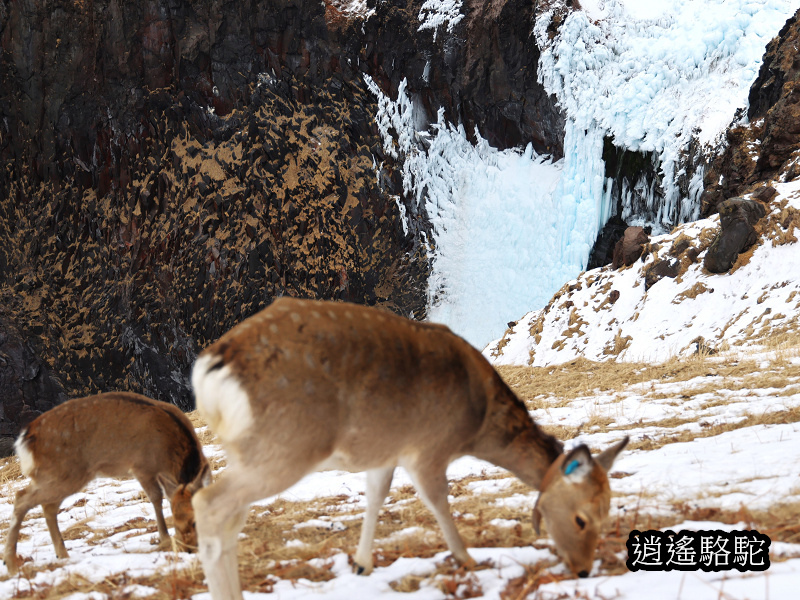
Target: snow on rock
605, 314
436, 13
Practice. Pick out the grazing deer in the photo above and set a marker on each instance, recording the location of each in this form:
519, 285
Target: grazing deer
305, 386
112, 435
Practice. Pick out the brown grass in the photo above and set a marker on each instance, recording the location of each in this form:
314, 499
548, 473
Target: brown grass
791, 415
265, 557
693, 292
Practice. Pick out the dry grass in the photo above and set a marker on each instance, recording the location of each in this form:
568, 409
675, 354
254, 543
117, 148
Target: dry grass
274, 548
9, 471
708, 429
542, 387
693, 292
583, 377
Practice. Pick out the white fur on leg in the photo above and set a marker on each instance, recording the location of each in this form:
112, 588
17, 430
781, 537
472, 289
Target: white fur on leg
221, 568
210, 549
378, 483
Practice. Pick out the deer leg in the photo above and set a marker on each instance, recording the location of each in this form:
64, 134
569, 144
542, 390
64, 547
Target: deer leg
378, 482
220, 512
156, 496
433, 487
25, 500
50, 510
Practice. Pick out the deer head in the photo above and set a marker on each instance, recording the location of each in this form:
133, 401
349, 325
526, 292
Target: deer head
180, 500
574, 502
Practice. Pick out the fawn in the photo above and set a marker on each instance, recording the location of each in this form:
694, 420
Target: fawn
112, 435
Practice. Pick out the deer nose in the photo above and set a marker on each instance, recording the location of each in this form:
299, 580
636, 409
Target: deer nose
583, 574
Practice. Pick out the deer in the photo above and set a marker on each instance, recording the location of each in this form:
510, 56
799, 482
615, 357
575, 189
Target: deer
113, 435
306, 386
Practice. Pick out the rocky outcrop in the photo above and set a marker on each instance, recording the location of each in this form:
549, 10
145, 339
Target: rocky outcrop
168, 168
737, 217
768, 148
659, 269
628, 250
27, 386
603, 250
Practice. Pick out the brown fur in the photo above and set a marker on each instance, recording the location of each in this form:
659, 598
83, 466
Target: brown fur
112, 435
333, 385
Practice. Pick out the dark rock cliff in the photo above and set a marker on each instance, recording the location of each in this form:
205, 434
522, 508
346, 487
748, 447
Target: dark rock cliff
768, 147
171, 166
27, 385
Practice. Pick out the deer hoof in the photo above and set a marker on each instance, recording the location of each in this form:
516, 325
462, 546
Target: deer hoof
359, 570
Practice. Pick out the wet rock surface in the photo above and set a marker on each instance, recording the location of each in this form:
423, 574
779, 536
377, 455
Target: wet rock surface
169, 168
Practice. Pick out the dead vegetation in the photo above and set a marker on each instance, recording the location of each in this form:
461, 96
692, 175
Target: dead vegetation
299, 541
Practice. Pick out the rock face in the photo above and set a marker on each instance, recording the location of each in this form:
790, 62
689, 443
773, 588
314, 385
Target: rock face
769, 147
27, 387
603, 249
737, 217
168, 168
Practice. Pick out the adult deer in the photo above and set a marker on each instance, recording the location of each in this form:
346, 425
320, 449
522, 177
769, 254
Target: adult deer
305, 386
112, 435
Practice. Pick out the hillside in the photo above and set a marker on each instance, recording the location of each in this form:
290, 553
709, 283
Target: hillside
713, 447
667, 303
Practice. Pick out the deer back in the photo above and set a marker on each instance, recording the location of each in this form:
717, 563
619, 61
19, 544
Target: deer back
347, 376
110, 434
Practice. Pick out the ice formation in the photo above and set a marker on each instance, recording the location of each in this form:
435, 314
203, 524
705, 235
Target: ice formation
654, 75
436, 13
502, 239
511, 227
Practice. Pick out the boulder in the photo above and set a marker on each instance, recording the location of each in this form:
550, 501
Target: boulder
737, 234
629, 248
660, 269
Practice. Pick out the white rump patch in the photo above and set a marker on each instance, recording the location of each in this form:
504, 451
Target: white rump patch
26, 461
221, 399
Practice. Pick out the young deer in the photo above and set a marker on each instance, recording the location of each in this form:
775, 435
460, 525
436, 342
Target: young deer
112, 435
306, 386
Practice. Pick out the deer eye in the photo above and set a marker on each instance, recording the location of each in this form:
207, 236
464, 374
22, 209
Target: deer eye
581, 523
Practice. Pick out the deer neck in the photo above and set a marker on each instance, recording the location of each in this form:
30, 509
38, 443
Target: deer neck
512, 440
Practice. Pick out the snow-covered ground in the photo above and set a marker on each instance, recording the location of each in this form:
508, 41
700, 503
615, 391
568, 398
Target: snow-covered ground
760, 298
110, 527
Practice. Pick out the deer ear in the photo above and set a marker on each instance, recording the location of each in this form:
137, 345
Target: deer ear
537, 519
607, 457
167, 483
203, 479
577, 464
